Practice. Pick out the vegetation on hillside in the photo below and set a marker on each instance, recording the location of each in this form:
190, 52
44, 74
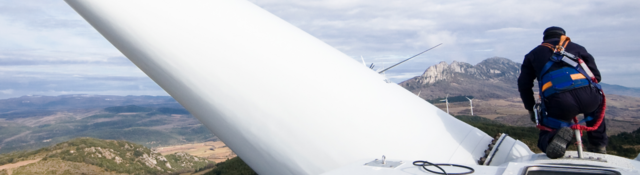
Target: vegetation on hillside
624, 144
130, 158
166, 110
57, 166
528, 135
152, 111
112, 156
233, 166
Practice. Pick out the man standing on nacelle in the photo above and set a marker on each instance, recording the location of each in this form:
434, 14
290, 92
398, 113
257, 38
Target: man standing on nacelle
568, 81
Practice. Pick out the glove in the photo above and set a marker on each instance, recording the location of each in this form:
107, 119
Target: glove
532, 116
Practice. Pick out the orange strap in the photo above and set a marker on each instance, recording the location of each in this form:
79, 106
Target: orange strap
550, 46
564, 41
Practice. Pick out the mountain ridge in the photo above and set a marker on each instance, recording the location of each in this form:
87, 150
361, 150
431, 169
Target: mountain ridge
494, 77
493, 85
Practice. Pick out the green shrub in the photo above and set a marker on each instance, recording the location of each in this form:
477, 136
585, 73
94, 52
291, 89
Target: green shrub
233, 166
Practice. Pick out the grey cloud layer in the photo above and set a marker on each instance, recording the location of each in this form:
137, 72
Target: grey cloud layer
45, 43
22, 83
48, 49
388, 31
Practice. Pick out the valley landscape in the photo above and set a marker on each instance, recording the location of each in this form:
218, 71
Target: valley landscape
100, 134
33, 122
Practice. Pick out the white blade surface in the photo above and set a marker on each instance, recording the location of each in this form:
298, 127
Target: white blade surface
262, 86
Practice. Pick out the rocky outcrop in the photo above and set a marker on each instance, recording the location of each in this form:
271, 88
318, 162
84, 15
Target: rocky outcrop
443, 71
100, 152
488, 69
492, 78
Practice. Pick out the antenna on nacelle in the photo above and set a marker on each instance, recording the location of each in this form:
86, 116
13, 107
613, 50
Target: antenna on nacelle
408, 59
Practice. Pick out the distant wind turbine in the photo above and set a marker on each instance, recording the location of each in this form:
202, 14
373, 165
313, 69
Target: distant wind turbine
470, 103
446, 100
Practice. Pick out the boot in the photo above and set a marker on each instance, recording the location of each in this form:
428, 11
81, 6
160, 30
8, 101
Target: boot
558, 145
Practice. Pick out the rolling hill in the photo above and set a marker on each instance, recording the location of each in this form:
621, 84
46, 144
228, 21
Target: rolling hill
95, 156
145, 120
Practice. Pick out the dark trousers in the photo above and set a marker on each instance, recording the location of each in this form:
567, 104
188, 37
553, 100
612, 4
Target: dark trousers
566, 105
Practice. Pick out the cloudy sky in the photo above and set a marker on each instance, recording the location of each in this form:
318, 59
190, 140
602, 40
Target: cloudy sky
48, 49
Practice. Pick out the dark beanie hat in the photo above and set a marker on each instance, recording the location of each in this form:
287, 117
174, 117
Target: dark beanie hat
553, 32
554, 29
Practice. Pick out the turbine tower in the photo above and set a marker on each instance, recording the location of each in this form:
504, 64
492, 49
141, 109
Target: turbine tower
470, 103
446, 100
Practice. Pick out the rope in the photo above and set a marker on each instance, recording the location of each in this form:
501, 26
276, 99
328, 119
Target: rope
540, 127
581, 127
598, 122
425, 164
575, 120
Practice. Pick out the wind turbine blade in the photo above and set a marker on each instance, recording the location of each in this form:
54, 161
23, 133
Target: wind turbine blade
409, 58
191, 50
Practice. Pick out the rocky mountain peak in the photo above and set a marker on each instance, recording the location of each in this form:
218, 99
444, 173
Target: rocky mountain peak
498, 65
466, 79
442, 71
490, 68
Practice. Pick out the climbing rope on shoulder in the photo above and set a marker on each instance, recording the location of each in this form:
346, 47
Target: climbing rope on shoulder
573, 75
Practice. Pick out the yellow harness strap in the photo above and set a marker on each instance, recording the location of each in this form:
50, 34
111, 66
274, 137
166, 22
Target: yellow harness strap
573, 77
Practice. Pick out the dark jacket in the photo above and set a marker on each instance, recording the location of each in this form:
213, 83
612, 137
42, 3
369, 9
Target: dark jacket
535, 60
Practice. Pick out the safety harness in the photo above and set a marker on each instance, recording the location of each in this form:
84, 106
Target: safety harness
574, 74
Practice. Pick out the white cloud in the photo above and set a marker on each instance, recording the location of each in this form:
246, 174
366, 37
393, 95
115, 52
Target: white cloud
402, 76
49, 31
471, 30
512, 30
44, 41
7, 91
